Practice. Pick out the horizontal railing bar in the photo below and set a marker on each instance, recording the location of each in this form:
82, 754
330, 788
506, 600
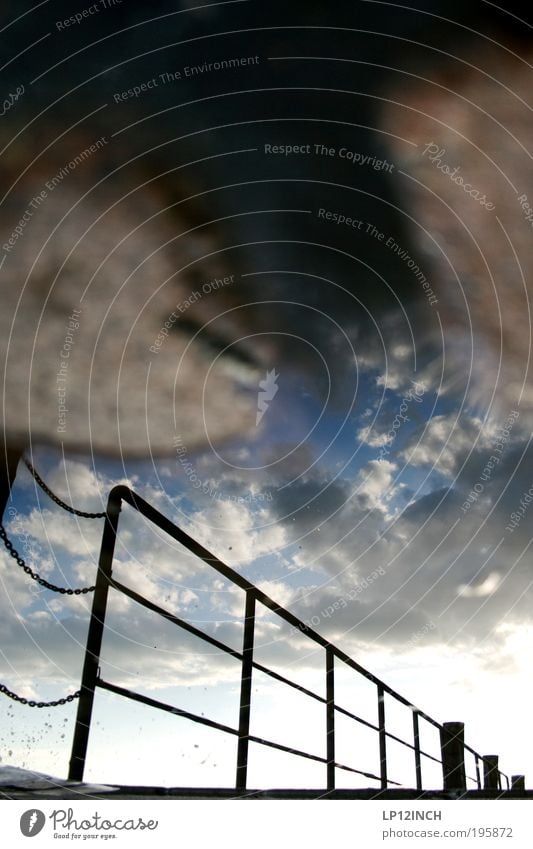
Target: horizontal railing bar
472, 751
181, 623
310, 757
194, 717
118, 585
146, 700
217, 644
388, 733
399, 740
282, 748
410, 746
365, 774
155, 703
397, 783
290, 683
122, 691
176, 620
429, 719
431, 757
123, 493
356, 718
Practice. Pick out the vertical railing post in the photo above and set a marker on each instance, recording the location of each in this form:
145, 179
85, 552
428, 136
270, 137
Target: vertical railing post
491, 772
382, 737
330, 717
478, 774
452, 741
416, 739
246, 691
94, 642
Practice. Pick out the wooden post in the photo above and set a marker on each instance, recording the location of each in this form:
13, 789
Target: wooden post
518, 782
491, 772
452, 742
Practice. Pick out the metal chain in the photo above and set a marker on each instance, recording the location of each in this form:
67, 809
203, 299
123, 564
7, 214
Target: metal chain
31, 703
42, 581
57, 500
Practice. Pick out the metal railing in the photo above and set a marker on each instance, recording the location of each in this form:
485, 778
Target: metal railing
91, 679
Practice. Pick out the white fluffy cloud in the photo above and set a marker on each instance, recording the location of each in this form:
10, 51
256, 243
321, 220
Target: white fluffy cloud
434, 563
235, 533
369, 436
444, 442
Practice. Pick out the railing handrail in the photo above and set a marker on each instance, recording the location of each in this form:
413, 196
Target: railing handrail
91, 677
123, 493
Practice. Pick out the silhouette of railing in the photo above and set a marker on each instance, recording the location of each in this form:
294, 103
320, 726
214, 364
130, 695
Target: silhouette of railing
91, 679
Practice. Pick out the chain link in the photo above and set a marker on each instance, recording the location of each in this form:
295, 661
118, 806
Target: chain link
42, 581
31, 703
57, 500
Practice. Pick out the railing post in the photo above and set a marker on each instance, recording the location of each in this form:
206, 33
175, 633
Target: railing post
416, 739
382, 737
452, 742
94, 642
518, 782
246, 691
330, 718
478, 774
491, 772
